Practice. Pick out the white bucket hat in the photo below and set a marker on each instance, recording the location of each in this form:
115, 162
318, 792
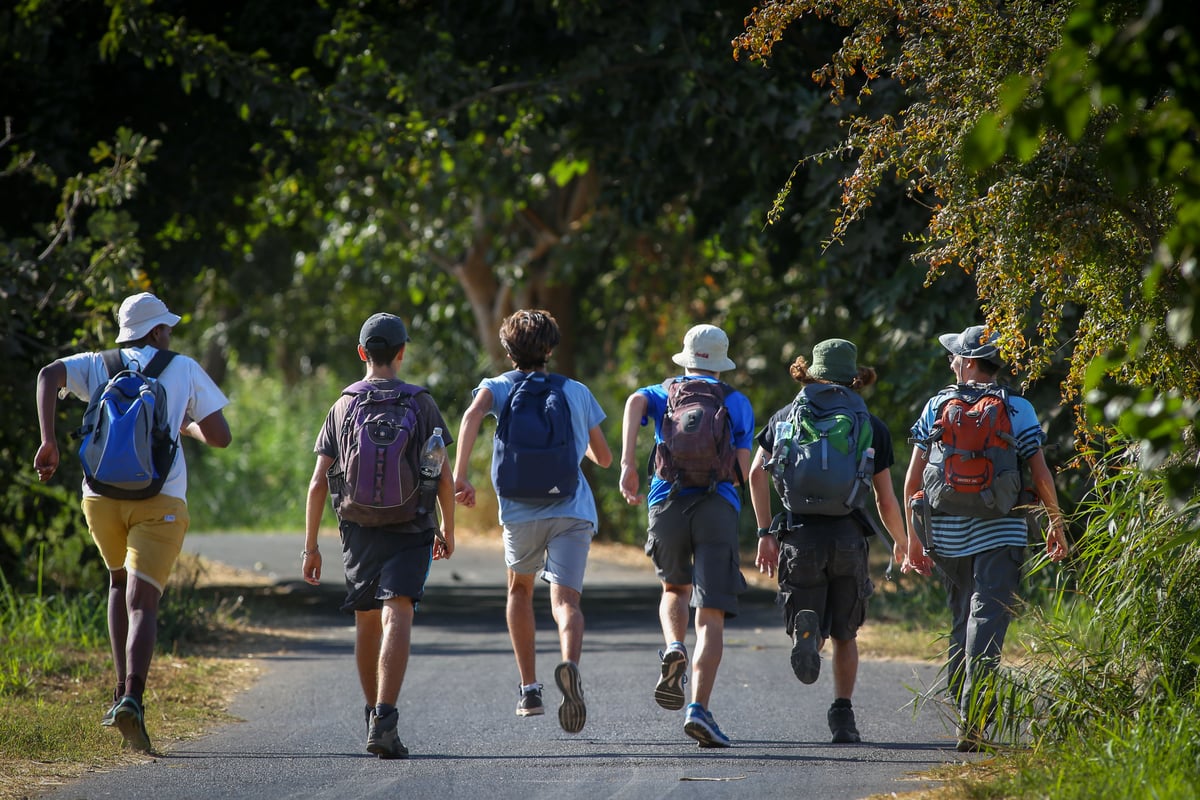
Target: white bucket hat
140, 314
705, 347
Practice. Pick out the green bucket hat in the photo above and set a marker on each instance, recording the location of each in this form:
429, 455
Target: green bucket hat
835, 360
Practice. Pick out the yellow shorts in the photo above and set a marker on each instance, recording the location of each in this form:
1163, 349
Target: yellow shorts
142, 536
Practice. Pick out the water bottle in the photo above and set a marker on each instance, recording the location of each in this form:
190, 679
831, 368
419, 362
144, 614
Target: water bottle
784, 431
433, 456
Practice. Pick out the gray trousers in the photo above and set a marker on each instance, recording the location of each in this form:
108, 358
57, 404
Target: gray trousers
982, 594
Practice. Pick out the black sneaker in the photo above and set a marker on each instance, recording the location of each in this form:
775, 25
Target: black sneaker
530, 704
572, 711
130, 719
382, 738
669, 691
806, 646
841, 725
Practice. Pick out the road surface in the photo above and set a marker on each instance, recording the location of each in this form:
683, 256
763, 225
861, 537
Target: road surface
301, 733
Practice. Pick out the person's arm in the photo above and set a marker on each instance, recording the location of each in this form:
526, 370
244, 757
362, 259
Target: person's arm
631, 421
50, 380
443, 547
468, 431
598, 451
213, 430
889, 511
767, 557
917, 559
314, 509
1043, 483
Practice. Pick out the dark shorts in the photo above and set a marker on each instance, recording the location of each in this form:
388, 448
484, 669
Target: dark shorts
693, 540
381, 564
823, 567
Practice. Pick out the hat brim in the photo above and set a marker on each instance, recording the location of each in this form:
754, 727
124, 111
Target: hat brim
713, 365
953, 342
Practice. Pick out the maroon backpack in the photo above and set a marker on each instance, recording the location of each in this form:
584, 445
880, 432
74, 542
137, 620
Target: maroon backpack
696, 448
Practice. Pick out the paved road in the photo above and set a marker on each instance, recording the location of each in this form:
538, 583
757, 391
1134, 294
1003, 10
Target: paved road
302, 732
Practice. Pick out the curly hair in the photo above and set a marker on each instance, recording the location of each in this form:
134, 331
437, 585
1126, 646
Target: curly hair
799, 372
528, 337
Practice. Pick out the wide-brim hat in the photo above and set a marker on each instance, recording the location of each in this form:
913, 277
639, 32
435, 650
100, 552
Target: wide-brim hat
141, 313
834, 360
705, 347
971, 343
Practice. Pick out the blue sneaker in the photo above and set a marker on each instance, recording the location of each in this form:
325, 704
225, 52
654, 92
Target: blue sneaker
700, 725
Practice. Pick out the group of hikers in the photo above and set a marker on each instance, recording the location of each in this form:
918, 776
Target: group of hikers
381, 461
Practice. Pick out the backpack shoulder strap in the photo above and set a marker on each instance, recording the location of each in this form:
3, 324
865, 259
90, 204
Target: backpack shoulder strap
113, 361
157, 364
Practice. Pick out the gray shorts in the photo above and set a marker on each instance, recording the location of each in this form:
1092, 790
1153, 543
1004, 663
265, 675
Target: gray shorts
557, 546
694, 541
823, 567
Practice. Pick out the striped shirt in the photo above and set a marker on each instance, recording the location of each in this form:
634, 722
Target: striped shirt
955, 536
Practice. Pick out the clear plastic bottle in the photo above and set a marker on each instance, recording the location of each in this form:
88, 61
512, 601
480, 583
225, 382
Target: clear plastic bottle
433, 457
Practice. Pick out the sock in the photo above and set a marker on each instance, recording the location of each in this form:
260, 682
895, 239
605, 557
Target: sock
383, 709
841, 702
680, 646
531, 687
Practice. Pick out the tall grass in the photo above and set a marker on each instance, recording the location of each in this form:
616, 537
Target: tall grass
1109, 701
260, 481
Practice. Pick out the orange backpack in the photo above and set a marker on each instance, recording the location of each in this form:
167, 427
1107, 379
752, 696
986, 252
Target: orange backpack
972, 468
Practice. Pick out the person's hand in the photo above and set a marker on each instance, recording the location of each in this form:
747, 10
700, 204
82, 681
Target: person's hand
464, 495
629, 486
767, 558
310, 566
917, 560
443, 544
46, 461
1056, 542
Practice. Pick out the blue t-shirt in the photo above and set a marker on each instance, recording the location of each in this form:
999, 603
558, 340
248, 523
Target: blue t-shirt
585, 415
741, 416
955, 536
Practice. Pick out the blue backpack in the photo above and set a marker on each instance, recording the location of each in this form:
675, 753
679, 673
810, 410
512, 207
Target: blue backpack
127, 446
534, 457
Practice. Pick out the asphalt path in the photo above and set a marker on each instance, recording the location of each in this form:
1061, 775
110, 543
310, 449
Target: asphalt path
301, 732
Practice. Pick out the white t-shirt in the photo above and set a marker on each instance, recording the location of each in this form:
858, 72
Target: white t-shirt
191, 394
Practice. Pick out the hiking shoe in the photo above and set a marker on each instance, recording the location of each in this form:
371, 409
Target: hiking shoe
572, 712
669, 691
841, 725
700, 725
971, 741
110, 717
382, 737
130, 719
806, 646
530, 704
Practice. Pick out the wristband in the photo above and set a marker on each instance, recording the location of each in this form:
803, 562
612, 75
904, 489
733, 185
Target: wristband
307, 553
764, 532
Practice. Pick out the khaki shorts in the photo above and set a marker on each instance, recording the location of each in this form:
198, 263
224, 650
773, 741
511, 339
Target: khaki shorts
142, 536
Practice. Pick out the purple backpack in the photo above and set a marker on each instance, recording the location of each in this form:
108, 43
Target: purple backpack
375, 478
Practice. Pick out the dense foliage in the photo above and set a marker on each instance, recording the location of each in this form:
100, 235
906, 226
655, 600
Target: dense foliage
278, 181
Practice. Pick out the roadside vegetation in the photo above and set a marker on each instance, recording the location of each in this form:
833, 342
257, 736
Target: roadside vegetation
56, 678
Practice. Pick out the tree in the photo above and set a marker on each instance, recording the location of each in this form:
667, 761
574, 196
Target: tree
1058, 244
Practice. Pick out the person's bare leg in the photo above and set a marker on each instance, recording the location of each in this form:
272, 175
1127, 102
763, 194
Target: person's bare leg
522, 627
